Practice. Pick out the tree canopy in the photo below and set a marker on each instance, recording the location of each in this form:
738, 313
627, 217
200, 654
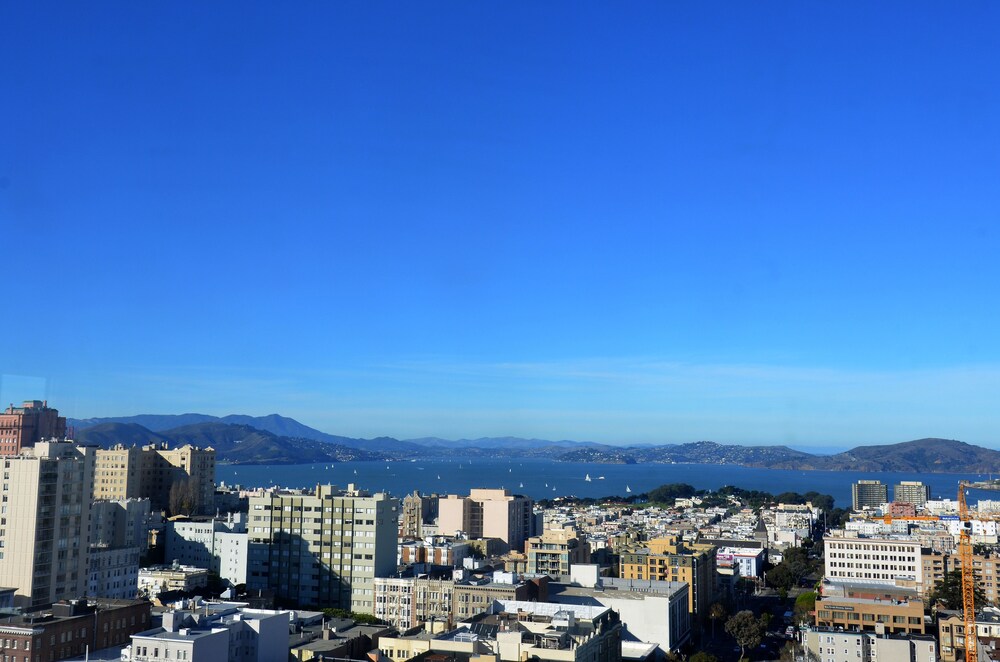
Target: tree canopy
746, 629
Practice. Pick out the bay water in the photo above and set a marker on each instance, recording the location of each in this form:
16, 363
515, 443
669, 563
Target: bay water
544, 478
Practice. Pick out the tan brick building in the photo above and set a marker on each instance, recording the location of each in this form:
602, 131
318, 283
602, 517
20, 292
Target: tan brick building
151, 471
34, 421
670, 559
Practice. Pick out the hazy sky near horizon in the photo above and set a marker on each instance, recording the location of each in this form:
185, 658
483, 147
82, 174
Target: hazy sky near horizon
751, 223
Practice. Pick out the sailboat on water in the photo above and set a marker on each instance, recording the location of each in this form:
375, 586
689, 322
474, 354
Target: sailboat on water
587, 478
628, 490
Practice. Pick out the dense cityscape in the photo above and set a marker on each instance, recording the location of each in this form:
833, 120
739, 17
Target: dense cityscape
500, 332
136, 553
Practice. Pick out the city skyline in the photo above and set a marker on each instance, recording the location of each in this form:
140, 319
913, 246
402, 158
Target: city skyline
645, 225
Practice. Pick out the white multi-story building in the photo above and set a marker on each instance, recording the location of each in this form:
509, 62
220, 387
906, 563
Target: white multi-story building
44, 517
860, 559
742, 561
113, 572
830, 645
322, 548
214, 631
118, 538
217, 544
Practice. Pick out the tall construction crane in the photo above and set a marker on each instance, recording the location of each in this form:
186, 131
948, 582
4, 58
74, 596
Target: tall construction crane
965, 556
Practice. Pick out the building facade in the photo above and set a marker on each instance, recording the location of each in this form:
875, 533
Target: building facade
911, 491
487, 514
322, 548
153, 471
830, 645
34, 421
219, 544
70, 629
866, 560
553, 552
44, 522
670, 559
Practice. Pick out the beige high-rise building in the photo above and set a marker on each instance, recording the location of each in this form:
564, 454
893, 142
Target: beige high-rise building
322, 548
487, 514
161, 467
44, 522
151, 471
116, 473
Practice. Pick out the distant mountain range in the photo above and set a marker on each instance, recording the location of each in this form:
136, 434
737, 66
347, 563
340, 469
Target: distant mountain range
276, 439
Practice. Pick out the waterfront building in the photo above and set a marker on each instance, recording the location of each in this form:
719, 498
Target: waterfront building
44, 522
323, 547
869, 494
24, 426
487, 513
670, 559
911, 491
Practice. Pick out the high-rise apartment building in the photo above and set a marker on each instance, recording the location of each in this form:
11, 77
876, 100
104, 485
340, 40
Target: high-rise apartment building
488, 514
911, 491
117, 473
869, 494
151, 472
44, 522
322, 548
24, 426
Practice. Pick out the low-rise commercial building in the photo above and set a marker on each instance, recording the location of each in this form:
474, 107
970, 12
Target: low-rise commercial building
158, 579
69, 629
833, 645
870, 607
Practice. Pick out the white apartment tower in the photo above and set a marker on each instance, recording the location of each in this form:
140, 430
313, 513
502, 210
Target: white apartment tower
322, 548
44, 522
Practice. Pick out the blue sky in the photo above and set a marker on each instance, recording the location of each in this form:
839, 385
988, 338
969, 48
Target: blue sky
660, 222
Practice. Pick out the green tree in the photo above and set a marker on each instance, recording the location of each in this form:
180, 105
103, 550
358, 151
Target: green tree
746, 629
948, 591
703, 656
780, 578
804, 604
667, 493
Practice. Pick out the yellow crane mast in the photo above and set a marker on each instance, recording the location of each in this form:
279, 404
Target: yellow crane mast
965, 557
